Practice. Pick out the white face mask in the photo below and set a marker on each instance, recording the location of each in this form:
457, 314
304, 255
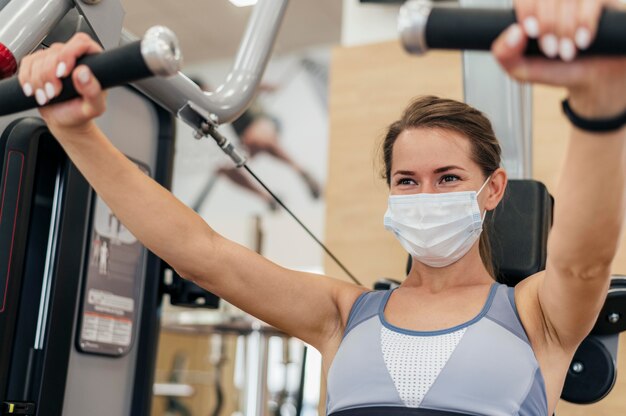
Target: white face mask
436, 229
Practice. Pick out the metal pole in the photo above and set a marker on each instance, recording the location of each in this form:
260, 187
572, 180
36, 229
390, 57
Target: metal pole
507, 103
231, 98
23, 25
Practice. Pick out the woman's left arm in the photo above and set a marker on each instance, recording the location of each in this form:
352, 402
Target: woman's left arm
590, 197
588, 218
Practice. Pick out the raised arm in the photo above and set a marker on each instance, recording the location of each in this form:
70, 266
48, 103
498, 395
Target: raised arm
303, 305
589, 199
588, 219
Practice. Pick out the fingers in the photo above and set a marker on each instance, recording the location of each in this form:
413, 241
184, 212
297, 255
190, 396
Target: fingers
41, 71
587, 22
526, 15
547, 13
509, 47
89, 88
80, 44
38, 78
51, 84
565, 28
24, 75
562, 26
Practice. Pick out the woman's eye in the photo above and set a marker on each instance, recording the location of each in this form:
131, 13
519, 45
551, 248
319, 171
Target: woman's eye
449, 178
405, 181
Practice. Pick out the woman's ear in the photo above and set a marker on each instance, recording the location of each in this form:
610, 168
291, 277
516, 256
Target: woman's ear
495, 188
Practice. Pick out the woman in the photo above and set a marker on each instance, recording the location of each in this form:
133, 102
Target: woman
449, 339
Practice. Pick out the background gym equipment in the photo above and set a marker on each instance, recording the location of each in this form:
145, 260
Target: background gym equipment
81, 298
80, 339
251, 363
26, 24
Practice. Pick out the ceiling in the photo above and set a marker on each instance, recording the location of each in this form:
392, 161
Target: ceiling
212, 29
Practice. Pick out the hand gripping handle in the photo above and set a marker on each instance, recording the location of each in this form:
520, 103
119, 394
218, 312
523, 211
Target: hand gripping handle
423, 26
157, 53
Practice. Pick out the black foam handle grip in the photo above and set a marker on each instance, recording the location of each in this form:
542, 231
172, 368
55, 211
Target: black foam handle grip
476, 29
112, 68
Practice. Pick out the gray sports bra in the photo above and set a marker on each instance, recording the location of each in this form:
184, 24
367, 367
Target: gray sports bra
483, 367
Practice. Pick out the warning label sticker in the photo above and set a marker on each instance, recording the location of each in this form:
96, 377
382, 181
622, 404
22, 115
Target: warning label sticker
107, 329
113, 285
110, 303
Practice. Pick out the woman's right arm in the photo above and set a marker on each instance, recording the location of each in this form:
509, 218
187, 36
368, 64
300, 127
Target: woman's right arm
304, 305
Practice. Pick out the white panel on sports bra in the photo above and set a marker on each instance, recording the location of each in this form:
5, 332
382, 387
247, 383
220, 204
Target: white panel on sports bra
414, 362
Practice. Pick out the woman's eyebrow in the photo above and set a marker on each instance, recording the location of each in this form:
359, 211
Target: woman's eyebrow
438, 170
447, 168
404, 172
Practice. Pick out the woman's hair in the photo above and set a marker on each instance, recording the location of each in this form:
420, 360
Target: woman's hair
441, 113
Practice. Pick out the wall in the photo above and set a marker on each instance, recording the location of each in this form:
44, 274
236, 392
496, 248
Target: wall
368, 23
370, 85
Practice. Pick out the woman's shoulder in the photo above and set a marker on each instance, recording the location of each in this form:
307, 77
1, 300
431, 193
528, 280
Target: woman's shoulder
349, 298
528, 307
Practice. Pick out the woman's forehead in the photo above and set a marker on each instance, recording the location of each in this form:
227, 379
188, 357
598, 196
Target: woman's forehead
431, 146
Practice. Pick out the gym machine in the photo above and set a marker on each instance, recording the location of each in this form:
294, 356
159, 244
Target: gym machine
79, 296
58, 240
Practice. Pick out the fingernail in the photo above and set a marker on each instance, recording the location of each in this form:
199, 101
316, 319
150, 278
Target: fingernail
531, 26
550, 45
28, 89
40, 96
50, 92
83, 76
514, 35
583, 38
567, 50
61, 69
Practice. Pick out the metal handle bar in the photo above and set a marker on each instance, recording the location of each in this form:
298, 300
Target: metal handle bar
23, 25
233, 96
424, 26
156, 54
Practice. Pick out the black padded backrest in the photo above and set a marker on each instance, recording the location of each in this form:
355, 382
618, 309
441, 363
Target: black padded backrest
518, 230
